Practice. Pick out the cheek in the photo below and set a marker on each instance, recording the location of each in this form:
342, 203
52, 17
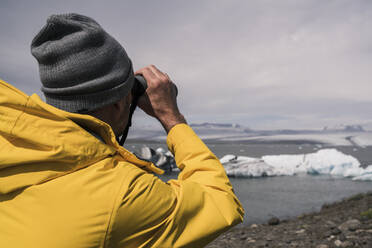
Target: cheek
126, 107
125, 115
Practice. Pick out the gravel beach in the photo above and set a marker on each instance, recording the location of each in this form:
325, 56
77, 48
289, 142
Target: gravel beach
347, 223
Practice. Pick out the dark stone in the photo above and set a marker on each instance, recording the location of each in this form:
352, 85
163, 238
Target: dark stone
350, 225
335, 231
327, 234
342, 237
347, 244
331, 224
273, 221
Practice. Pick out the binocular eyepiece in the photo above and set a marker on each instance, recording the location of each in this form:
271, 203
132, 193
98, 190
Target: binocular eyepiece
139, 86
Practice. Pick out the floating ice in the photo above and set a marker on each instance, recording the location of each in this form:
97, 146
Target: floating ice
286, 165
160, 150
333, 162
241, 166
366, 175
159, 157
233, 159
326, 161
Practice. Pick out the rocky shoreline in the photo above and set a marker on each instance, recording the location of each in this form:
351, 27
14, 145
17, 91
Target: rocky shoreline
347, 223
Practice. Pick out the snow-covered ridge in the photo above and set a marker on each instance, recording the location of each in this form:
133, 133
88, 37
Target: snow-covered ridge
215, 125
326, 161
342, 135
344, 128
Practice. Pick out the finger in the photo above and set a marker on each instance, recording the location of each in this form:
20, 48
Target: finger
146, 73
173, 84
157, 72
169, 79
139, 71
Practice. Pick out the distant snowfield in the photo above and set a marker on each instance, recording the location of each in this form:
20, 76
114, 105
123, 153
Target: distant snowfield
364, 139
334, 139
211, 134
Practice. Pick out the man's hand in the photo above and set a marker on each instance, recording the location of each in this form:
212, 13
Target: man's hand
159, 100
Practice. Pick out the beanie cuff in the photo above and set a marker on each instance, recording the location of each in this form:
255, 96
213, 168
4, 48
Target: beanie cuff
84, 103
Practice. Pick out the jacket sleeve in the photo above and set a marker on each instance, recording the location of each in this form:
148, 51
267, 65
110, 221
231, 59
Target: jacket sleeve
188, 212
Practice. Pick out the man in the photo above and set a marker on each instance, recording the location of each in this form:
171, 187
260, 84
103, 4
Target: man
64, 179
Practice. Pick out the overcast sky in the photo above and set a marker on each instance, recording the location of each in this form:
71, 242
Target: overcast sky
264, 64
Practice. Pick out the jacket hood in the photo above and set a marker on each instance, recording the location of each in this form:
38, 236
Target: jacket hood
39, 142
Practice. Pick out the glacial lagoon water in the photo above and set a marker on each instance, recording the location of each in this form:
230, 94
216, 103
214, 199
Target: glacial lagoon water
284, 196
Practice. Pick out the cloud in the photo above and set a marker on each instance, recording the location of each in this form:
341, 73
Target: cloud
262, 63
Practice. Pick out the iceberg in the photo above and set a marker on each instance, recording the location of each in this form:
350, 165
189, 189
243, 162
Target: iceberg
237, 159
366, 175
333, 162
286, 165
159, 157
241, 166
326, 161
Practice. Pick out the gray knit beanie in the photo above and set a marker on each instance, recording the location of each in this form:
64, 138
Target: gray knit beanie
82, 68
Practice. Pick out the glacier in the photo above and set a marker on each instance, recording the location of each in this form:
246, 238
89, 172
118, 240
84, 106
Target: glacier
326, 161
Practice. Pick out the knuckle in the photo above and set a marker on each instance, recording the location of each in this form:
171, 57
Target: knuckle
164, 79
157, 82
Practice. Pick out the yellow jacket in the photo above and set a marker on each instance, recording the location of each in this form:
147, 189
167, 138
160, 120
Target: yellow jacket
62, 187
